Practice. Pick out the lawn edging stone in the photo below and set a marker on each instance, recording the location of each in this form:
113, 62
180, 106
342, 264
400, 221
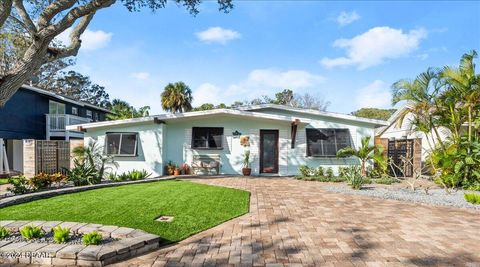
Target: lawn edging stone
18, 199
130, 243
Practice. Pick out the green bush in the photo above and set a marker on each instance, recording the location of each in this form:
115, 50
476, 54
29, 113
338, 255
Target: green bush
44, 180
138, 175
354, 177
83, 174
305, 171
93, 238
4, 233
472, 198
20, 185
61, 235
342, 171
31, 232
319, 172
329, 173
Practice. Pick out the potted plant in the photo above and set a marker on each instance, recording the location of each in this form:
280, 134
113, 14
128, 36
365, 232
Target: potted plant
186, 169
177, 171
170, 168
246, 170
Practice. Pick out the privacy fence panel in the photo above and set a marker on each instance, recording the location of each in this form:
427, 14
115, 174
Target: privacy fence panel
52, 156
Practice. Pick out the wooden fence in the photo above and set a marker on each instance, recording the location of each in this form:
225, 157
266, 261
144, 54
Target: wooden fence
52, 156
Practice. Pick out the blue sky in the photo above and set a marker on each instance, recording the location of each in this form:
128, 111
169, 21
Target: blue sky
346, 52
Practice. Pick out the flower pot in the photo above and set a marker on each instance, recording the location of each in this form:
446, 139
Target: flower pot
186, 169
246, 171
176, 172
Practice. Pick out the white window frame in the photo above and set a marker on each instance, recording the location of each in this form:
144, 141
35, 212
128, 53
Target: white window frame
120, 144
57, 104
75, 112
89, 114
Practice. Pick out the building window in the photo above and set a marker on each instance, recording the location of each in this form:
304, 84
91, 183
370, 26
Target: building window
326, 142
95, 116
56, 108
121, 144
207, 137
74, 111
89, 114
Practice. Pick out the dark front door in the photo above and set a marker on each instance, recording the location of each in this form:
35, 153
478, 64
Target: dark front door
268, 151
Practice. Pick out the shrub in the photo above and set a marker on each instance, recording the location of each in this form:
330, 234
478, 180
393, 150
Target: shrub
305, 171
20, 185
31, 232
61, 235
386, 180
319, 172
354, 177
329, 172
93, 238
138, 175
44, 180
472, 198
4, 233
342, 171
83, 174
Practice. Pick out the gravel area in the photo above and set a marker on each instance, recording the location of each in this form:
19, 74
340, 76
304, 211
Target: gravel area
434, 196
48, 238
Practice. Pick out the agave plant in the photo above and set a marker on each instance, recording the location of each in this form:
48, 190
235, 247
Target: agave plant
94, 157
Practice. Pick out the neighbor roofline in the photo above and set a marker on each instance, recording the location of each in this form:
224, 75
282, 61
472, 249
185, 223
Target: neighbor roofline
316, 112
63, 98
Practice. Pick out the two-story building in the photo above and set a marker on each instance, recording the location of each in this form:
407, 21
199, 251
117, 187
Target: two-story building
34, 113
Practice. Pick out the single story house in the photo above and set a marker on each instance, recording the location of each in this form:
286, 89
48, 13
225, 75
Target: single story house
280, 139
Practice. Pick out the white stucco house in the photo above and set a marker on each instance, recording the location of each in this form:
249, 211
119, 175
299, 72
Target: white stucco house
281, 138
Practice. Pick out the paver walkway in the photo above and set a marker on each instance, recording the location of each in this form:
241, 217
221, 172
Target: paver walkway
297, 223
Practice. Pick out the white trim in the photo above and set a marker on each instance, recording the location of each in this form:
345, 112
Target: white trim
167, 117
315, 112
392, 119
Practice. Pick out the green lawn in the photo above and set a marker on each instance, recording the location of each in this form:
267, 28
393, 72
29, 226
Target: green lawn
195, 207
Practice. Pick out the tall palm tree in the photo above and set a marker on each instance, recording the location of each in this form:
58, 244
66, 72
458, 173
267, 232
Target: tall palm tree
177, 98
463, 85
365, 153
421, 95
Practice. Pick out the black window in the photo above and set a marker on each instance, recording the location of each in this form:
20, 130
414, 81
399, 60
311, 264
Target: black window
207, 137
326, 142
121, 144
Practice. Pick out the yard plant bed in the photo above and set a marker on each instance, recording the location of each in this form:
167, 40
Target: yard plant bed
195, 207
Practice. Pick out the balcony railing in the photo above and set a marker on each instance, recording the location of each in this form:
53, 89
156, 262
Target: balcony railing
58, 122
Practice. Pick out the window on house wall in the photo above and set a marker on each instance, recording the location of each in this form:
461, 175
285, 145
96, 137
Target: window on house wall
121, 144
207, 137
89, 114
56, 107
74, 111
95, 116
326, 142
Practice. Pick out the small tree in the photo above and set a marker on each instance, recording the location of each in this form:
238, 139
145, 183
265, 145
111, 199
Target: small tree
365, 153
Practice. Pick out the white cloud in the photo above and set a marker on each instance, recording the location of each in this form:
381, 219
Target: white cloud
374, 95
375, 46
91, 40
217, 35
346, 18
140, 75
257, 83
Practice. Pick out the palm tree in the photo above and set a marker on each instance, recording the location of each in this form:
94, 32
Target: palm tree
122, 110
463, 86
365, 153
421, 96
177, 98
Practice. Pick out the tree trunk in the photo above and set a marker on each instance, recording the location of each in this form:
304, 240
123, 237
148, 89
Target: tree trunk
5, 10
364, 172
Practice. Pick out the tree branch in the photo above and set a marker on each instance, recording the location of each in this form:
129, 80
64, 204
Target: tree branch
5, 10
75, 41
27, 21
52, 10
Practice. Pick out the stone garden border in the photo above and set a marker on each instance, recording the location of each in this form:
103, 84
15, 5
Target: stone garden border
18, 199
131, 242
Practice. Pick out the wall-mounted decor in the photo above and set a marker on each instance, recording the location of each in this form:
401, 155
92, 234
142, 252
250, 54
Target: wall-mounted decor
236, 134
245, 140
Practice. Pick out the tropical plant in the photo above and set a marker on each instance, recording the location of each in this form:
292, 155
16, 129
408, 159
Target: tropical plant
82, 173
305, 171
365, 153
177, 98
61, 235
93, 238
4, 233
472, 198
122, 110
354, 177
20, 185
94, 157
30, 232
319, 172
137, 175
246, 159
44, 180
329, 173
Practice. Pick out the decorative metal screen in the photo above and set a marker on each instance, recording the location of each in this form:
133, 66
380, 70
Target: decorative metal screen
400, 153
52, 156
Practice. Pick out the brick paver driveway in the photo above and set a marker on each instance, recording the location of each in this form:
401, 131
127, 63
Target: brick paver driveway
297, 223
